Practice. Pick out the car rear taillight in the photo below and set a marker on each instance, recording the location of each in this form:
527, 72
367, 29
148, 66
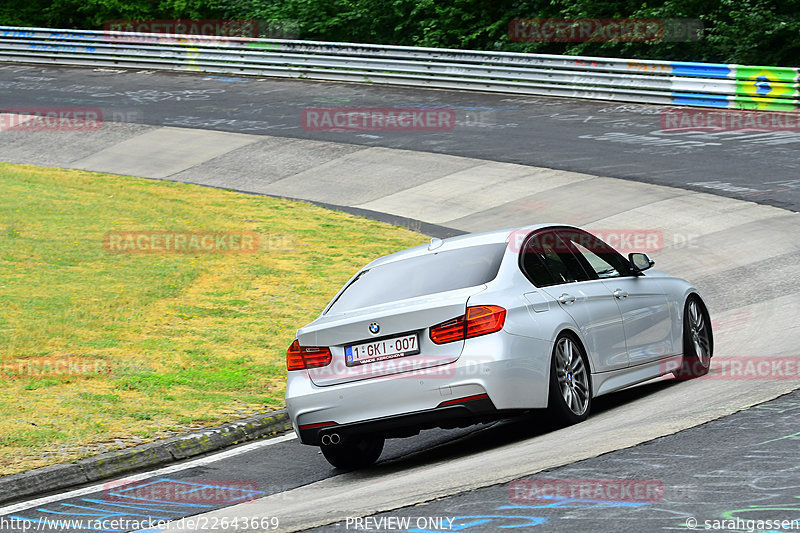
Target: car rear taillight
484, 319
300, 357
479, 320
452, 330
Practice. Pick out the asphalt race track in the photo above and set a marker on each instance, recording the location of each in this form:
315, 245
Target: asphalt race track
601, 138
720, 205
712, 475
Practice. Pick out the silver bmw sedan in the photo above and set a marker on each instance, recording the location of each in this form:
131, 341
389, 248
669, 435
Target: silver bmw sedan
486, 326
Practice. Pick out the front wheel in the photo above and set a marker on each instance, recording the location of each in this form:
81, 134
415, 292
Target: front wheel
698, 341
356, 451
570, 396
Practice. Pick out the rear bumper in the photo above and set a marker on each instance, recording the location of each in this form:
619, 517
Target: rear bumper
468, 411
400, 404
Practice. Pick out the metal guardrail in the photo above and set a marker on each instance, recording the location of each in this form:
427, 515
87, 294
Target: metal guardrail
629, 80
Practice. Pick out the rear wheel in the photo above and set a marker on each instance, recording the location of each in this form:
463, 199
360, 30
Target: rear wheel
570, 396
698, 342
356, 451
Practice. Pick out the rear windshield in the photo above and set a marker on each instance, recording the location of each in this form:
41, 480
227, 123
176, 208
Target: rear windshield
418, 276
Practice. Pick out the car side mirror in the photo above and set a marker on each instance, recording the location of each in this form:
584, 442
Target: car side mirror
640, 261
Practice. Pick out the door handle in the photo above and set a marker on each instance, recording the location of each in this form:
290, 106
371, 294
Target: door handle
619, 294
566, 299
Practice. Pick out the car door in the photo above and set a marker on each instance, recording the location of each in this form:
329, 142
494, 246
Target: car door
550, 265
644, 307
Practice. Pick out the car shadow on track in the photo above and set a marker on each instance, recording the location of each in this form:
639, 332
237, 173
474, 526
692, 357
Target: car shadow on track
437, 445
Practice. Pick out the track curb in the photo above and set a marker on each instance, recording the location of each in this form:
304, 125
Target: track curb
111, 464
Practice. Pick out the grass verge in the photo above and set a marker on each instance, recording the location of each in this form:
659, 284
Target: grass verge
103, 350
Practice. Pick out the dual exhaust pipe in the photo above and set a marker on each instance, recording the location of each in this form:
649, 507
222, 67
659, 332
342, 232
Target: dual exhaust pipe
331, 439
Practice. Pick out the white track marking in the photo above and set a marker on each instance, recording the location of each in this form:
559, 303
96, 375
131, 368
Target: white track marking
145, 475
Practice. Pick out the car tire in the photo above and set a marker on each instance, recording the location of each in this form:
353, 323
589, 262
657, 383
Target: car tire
353, 452
698, 341
570, 395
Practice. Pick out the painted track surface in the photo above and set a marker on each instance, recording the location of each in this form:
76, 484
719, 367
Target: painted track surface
599, 138
742, 256
675, 482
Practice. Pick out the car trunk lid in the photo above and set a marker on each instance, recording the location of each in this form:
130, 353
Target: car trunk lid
364, 345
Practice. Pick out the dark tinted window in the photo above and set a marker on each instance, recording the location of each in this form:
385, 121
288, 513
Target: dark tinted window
533, 267
599, 257
547, 260
418, 276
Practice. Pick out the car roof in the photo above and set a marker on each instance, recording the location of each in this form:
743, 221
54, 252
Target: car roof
498, 236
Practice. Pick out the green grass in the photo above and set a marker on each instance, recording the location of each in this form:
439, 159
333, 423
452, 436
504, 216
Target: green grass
96, 346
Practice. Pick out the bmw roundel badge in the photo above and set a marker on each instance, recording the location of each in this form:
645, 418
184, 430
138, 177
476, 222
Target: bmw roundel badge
374, 328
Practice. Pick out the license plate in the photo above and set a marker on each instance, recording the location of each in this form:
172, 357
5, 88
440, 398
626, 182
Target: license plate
370, 352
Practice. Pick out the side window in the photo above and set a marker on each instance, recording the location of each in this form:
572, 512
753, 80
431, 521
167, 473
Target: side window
533, 267
603, 260
546, 260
